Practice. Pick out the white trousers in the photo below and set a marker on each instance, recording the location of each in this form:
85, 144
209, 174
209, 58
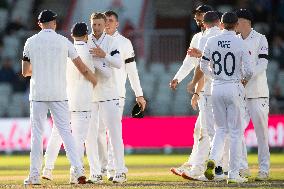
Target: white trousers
61, 119
228, 108
258, 111
207, 132
244, 123
80, 124
108, 113
110, 164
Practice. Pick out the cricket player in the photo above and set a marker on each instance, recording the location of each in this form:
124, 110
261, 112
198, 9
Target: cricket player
257, 93
79, 93
44, 59
211, 22
128, 69
226, 60
105, 106
188, 64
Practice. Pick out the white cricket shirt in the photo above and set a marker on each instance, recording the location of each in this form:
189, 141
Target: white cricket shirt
258, 47
48, 53
210, 32
79, 89
189, 62
128, 67
107, 87
226, 59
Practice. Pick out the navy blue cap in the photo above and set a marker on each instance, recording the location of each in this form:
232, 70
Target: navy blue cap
202, 9
79, 29
46, 16
229, 18
210, 16
244, 13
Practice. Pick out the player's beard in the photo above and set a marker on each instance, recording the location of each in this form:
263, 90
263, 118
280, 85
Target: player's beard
97, 33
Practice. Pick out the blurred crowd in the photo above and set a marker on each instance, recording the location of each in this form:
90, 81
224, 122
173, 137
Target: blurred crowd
15, 25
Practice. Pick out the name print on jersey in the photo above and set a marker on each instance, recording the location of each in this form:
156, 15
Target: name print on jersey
224, 44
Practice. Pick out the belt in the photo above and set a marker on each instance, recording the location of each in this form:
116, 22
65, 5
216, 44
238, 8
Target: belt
108, 100
80, 111
257, 97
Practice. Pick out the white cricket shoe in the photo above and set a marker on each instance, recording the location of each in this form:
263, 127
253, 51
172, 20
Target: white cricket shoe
110, 175
238, 179
119, 178
193, 173
77, 176
47, 174
245, 173
202, 178
95, 179
32, 180
262, 176
179, 170
220, 177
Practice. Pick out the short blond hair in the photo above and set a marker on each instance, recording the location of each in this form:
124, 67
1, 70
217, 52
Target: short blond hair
98, 15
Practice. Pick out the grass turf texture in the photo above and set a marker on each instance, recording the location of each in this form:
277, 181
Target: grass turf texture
145, 171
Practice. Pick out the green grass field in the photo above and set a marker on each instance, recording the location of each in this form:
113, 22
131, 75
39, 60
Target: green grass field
145, 171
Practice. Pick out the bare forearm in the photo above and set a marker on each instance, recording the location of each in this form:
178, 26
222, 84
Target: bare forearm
26, 69
200, 85
198, 74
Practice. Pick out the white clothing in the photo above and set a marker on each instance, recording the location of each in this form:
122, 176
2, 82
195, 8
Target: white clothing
227, 114
106, 88
79, 124
128, 68
79, 89
60, 115
189, 62
47, 51
229, 57
258, 47
105, 111
257, 101
210, 32
80, 93
109, 111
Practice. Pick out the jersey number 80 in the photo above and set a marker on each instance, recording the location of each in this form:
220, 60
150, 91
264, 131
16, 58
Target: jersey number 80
216, 57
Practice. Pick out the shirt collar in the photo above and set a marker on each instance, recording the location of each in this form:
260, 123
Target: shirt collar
251, 34
47, 30
116, 33
214, 28
79, 43
227, 32
99, 41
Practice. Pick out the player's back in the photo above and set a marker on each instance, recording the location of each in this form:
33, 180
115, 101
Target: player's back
77, 85
225, 52
48, 52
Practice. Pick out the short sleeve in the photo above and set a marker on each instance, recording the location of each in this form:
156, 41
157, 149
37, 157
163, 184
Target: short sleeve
26, 52
72, 53
129, 54
206, 51
263, 48
201, 43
